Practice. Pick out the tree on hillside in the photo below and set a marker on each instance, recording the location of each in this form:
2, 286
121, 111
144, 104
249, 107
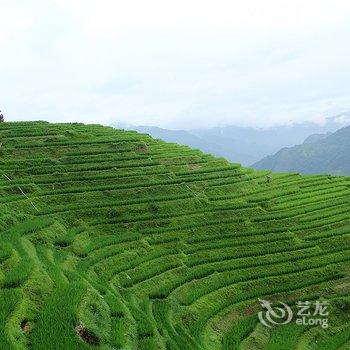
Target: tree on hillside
1, 117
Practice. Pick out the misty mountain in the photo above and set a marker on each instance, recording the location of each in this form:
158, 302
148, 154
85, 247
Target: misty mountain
316, 137
206, 142
245, 145
325, 154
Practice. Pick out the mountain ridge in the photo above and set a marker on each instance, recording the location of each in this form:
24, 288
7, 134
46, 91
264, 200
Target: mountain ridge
245, 145
327, 154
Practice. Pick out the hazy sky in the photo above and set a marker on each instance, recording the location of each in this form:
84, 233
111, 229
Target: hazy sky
175, 64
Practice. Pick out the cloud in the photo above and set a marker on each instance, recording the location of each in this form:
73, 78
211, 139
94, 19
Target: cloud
15, 20
113, 17
175, 63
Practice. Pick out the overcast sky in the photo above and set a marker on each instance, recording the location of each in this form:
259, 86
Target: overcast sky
175, 64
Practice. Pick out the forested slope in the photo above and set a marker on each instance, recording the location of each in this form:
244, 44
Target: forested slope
322, 154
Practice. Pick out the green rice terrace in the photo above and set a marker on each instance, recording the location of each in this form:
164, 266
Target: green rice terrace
110, 239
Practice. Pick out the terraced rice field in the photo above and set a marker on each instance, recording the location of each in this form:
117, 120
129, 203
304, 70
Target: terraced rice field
113, 240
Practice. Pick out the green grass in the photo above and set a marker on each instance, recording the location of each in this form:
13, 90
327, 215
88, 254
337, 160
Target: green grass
121, 241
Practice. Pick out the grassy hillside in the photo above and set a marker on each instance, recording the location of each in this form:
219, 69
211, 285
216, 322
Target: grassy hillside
320, 154
113, 240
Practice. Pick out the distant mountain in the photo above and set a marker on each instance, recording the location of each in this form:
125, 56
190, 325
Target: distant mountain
217, 146
325, 154
244, 145
316, 137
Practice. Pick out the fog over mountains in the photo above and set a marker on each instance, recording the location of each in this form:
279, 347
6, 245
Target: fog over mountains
245, 145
